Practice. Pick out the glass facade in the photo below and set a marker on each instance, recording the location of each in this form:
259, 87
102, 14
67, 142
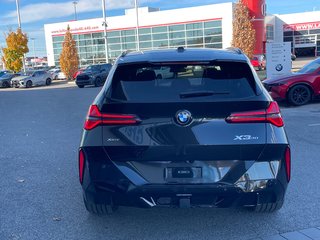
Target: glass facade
311, 36
91, 47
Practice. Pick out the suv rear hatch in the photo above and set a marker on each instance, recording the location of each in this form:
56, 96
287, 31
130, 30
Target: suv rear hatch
158, 147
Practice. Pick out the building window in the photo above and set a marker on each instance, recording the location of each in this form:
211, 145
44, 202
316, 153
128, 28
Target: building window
114, 40
129, 39
177, 35
213, 39
58, 39
145, 45
160, 44
288, 39
213, 31
195, 33
145, 37
298, 33
288, 34
193, 26
177, 42
217, 45
128, 33
315, 31
175, 28
97, 35
114, 34
159, 29
213, 24
160, 36
92, 50
192, 41
270, 32
144, 30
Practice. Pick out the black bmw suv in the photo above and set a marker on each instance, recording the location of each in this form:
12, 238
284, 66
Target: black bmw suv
214, 138
93, 75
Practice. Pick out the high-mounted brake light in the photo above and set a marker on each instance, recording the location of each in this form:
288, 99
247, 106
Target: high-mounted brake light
270, 115
95, 118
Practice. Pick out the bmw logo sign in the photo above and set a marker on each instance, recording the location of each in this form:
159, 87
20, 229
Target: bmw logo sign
183, 117
279, 67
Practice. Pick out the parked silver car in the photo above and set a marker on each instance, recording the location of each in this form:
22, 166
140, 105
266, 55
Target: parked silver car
6, 79
32, 78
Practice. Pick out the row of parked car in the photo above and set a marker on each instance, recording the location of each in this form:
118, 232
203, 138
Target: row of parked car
27, 79
92, 75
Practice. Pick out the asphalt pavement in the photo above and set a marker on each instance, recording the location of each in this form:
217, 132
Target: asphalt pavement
40, 196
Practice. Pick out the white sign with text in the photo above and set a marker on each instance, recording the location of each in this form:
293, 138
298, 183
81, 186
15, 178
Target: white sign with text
278, 59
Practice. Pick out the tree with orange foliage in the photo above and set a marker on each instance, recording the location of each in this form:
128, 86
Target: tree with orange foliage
243, 31
69, 59
17, 46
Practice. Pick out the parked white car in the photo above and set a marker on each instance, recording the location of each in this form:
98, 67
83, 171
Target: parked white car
32, 78
54, 73
61, 75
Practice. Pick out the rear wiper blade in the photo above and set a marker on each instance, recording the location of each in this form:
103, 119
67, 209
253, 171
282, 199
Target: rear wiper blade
201, 94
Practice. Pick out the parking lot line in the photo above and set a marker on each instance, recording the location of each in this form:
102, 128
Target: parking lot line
314, 125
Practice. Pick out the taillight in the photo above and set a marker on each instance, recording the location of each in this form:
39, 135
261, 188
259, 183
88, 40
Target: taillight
95, 118
81, 165
271, 115
287, 158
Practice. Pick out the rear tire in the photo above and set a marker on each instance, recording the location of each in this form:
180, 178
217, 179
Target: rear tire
268, 207
299, 95
99, 209
80, 86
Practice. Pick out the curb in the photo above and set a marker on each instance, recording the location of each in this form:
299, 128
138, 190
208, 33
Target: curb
304, 234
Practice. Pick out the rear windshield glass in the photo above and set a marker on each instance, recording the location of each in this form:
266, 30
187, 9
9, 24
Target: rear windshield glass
182, 82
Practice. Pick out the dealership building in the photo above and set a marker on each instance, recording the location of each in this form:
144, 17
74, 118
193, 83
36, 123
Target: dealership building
208, 26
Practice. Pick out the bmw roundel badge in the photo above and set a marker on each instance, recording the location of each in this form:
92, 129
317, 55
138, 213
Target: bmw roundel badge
183, 117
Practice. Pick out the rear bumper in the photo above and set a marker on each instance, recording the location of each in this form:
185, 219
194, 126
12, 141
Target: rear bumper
127, 185
216, 195
84, 80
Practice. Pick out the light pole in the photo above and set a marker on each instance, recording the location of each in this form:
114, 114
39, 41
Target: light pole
105, 29
137, 24
75, 9
19, 25
34, 52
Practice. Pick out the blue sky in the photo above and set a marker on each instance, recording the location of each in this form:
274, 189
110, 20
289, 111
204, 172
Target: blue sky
36, 13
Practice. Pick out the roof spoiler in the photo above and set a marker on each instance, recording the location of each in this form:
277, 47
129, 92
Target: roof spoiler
235, 50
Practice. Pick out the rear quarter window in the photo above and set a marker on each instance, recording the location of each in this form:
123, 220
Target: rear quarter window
179, 82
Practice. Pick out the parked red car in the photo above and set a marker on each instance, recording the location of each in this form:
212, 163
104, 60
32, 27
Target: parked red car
297, 88
78, 72
258, 62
